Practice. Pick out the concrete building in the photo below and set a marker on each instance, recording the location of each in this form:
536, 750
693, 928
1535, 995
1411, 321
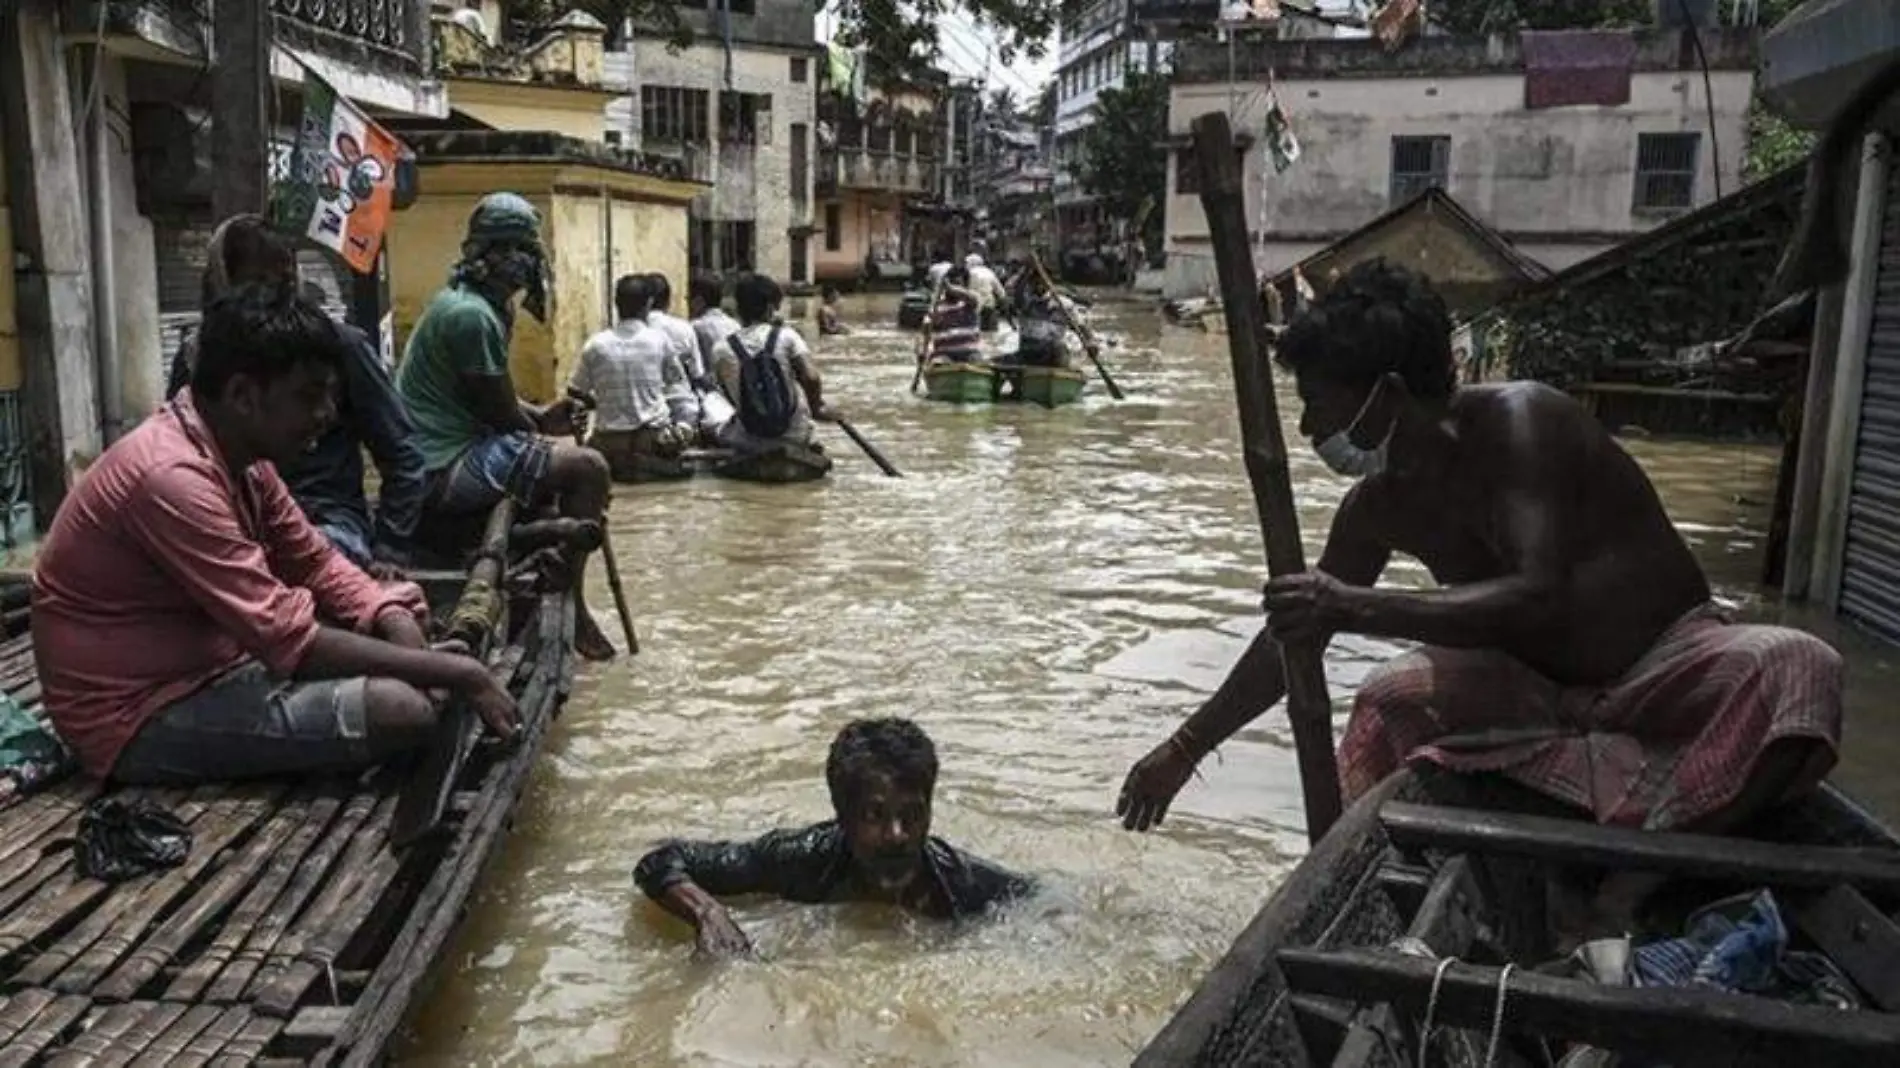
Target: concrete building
106, 135
1485, 119
880, 181
737, 107
1844, 528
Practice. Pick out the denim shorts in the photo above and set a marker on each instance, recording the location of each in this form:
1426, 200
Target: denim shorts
245, 724
349, 538
505, 465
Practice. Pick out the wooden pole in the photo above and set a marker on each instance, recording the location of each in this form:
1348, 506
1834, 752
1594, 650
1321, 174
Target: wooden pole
1224, 201
240, 108
1082, 331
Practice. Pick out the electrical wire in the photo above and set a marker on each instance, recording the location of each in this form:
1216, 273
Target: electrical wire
1708, 94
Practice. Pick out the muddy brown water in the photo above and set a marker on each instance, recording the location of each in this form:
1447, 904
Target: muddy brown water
1047, 593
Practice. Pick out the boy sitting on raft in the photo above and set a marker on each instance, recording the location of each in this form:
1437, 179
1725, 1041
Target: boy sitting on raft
1572, 644
879, 848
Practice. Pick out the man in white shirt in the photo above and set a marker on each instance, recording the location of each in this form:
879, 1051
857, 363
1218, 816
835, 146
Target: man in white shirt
711, 325
685, 342
759, 337
988, 289
635, 376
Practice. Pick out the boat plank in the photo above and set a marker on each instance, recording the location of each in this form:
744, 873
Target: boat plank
20, 1009
357, 865
173, 1040
249, 1045
1447, 923
276, 919
211, 899
139, 1033
211, 1041
259, 902
411, 958
28, 823
44, 1030
74, 963
282, 994
90, 1046
1688, 1026
1856, 936
1667, 852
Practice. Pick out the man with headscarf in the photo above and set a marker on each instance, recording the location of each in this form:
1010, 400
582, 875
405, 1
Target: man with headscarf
327, 480
480, 441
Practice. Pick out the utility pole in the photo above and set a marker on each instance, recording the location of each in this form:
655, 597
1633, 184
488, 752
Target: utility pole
240, 115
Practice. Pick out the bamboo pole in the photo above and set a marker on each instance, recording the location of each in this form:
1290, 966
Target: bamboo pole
1223, 199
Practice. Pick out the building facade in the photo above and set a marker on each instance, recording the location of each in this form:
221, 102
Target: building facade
1561, 181
881, 181
106, 134
738, 107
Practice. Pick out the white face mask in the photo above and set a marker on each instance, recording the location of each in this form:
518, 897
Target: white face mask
1339, 453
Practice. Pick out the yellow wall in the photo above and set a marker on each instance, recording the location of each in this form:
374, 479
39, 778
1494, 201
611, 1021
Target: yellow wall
517, 106
649, 234
9, 321
865, 220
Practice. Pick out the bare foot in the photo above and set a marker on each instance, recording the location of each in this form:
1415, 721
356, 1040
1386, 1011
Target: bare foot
571, 535
590, 643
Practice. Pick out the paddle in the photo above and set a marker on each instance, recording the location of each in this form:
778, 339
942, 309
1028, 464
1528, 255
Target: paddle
1081, 330
1308, 709
607, 541
930, 325
870, 450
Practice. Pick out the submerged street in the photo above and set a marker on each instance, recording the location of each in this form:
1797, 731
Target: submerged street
1047, 593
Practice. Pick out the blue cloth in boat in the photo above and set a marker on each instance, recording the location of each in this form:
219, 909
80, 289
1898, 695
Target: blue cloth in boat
31, 756
814, 866
1740, 943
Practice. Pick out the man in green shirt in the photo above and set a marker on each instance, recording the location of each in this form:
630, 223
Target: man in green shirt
480, 441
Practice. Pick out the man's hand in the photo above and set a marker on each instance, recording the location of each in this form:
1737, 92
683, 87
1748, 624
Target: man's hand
721, 936
399, 626
491, 700
384, 571
825, 413
562, 417
1307, 607
1152, 785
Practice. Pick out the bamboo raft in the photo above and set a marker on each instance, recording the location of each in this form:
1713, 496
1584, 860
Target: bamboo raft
1330, 971
293, 933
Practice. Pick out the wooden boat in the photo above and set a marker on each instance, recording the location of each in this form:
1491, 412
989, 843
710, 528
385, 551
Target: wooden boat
787, 463
1457, 866
992, 383
293, 932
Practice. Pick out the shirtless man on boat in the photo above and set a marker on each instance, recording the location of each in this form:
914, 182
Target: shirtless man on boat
878, 848
1571, 645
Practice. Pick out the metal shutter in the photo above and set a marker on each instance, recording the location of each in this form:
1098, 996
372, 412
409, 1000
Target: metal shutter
1870, 567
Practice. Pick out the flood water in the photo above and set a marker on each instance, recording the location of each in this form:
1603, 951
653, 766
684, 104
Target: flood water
1047, 593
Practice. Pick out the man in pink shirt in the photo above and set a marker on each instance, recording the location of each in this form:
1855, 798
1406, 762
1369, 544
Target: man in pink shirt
191, 625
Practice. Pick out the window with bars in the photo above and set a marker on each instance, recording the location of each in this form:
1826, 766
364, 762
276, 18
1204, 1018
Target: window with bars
1418, 164
801, 69
671, 115
745, 118
1665, 171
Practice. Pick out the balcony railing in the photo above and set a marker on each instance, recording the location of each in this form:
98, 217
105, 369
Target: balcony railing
395, 29
863, 168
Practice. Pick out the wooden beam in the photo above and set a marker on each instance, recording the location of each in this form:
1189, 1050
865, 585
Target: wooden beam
1700, 856
240, 95
1223, 199
1855, 935
1687, 1026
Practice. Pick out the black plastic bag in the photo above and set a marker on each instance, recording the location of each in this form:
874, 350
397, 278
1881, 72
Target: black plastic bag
123, 838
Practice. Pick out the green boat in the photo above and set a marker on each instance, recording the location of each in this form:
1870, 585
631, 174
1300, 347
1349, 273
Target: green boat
987, 383
960, 383
1050, 387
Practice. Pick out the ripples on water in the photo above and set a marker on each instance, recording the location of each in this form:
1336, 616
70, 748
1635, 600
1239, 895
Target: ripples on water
1048, 593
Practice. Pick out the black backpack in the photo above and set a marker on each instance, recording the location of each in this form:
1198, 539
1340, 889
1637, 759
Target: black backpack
766, 402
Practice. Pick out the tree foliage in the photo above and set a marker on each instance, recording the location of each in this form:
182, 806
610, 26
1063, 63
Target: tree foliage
1491, 16
1121, 161
896, 33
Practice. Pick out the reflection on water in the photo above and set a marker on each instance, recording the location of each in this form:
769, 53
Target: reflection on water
1047, 593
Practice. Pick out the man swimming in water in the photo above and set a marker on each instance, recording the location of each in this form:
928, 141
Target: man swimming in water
879, 848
